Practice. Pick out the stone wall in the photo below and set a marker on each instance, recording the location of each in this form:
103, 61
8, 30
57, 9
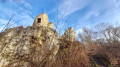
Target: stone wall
44, 21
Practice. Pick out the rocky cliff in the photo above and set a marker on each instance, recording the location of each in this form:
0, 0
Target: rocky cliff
30, 47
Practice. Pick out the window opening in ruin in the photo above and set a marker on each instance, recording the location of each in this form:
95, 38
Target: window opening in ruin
39, 20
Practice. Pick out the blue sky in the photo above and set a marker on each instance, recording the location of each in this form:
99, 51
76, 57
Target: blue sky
75, 13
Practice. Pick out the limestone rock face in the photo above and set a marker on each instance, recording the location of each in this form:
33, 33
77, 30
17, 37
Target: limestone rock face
50, 25
69, 35
28, 47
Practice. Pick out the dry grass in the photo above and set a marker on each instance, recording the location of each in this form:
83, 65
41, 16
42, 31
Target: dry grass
71, 54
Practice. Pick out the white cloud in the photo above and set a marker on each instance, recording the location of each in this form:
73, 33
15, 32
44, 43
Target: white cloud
6, 11
79, 31
21, 13
101, 11
72, 6
26, 4
26, 21
3, 23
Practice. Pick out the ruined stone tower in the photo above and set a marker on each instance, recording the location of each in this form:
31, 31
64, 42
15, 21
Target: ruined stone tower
42, 20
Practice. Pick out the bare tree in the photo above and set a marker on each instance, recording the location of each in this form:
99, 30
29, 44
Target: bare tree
8, 23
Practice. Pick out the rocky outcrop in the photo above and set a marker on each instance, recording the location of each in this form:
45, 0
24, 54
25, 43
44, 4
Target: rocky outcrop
69, 35
28, 47
31, 46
